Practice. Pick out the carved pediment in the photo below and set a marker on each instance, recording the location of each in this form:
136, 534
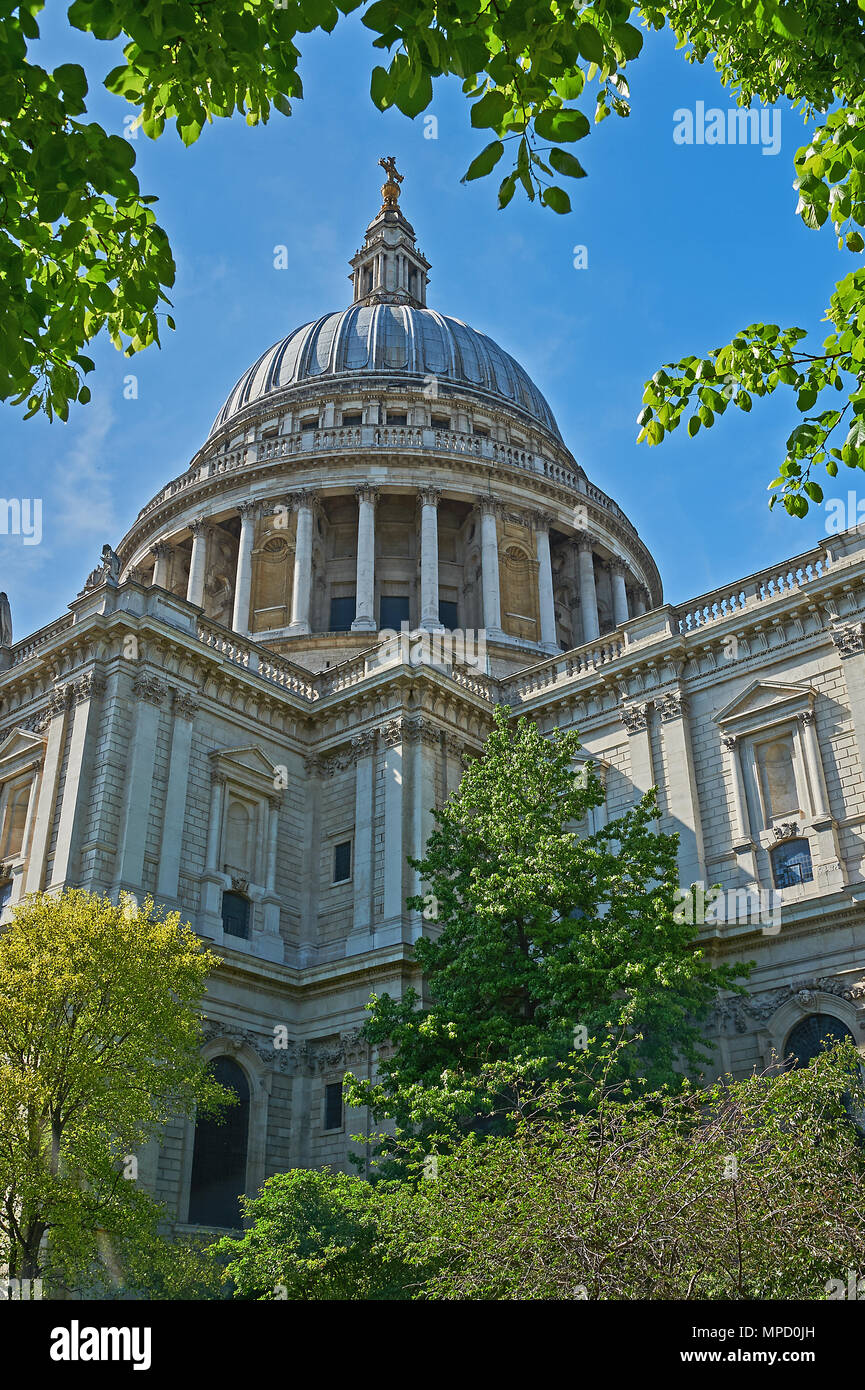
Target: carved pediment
21, 749
765, 702
248, 765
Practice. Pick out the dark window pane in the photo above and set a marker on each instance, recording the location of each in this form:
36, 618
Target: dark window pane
392, 611
791, 864
342, 611
808, 1037
342, 861
310, 424
397, 419
219, 1154
333, 1106
448, 614
235, 914
352, 419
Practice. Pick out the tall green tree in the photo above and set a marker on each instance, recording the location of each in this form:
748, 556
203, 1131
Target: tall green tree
546, 936
100, 1037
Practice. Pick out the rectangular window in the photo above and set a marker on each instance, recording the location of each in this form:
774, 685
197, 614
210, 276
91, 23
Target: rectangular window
352, 419
333, 1106
342, 611
393, 610
342, 861
441, 422
397, 419
311, 423
448, 614
482, 431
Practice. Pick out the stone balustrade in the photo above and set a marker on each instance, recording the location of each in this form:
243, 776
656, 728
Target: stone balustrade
770, 583
346, 438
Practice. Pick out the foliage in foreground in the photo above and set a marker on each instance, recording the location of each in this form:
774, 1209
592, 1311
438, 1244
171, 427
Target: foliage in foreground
541, 931
100, 1037
315, 1236
747, 1190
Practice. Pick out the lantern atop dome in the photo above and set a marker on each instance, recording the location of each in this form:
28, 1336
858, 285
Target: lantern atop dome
389, 268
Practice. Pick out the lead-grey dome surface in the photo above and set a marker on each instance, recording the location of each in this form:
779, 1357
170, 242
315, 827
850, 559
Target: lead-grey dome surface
395, 338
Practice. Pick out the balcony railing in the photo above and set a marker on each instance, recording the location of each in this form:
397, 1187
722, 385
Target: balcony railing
345, 438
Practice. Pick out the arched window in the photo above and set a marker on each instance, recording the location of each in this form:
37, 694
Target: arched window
807, 1039
791, 863
219, 1154
235, 915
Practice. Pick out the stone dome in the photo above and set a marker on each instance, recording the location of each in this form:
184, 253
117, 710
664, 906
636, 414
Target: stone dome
383, 339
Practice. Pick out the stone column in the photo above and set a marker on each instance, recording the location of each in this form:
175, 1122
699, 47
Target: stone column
545, 583
641, 603
490, 567
214, 823
274, 804
148, 693
588, 593
55, 717
743, 845
620, 593
682, 800
428, 498
197, 563
267, 942
304, 502
741, 820
364, 620
394, 824
170, 850
636, 720
162, 552
815, 767
243, 576
363, 746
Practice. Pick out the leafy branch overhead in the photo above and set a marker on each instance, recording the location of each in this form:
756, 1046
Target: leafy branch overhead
812, 54
81, 251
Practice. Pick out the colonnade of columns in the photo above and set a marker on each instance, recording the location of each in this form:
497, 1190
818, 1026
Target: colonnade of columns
488, 508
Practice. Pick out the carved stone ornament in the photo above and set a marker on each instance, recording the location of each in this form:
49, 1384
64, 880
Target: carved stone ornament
671, 706
745, 1011
184, 705
635, 718
848, 639
787, 830
149, 688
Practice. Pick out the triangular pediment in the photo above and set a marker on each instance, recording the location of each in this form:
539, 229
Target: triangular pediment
765, 698
20, 748
248, 759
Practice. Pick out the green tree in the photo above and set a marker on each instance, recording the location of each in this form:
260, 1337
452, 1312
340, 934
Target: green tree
314, 1236
542, 930
100, 1037
749, 1189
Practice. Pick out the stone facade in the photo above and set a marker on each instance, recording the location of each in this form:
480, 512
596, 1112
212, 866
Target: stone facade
221, 721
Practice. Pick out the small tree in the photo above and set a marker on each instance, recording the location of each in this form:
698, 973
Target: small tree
315, 1236
545, 935
100, 1037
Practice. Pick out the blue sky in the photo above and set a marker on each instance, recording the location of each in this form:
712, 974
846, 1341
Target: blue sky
686, 244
